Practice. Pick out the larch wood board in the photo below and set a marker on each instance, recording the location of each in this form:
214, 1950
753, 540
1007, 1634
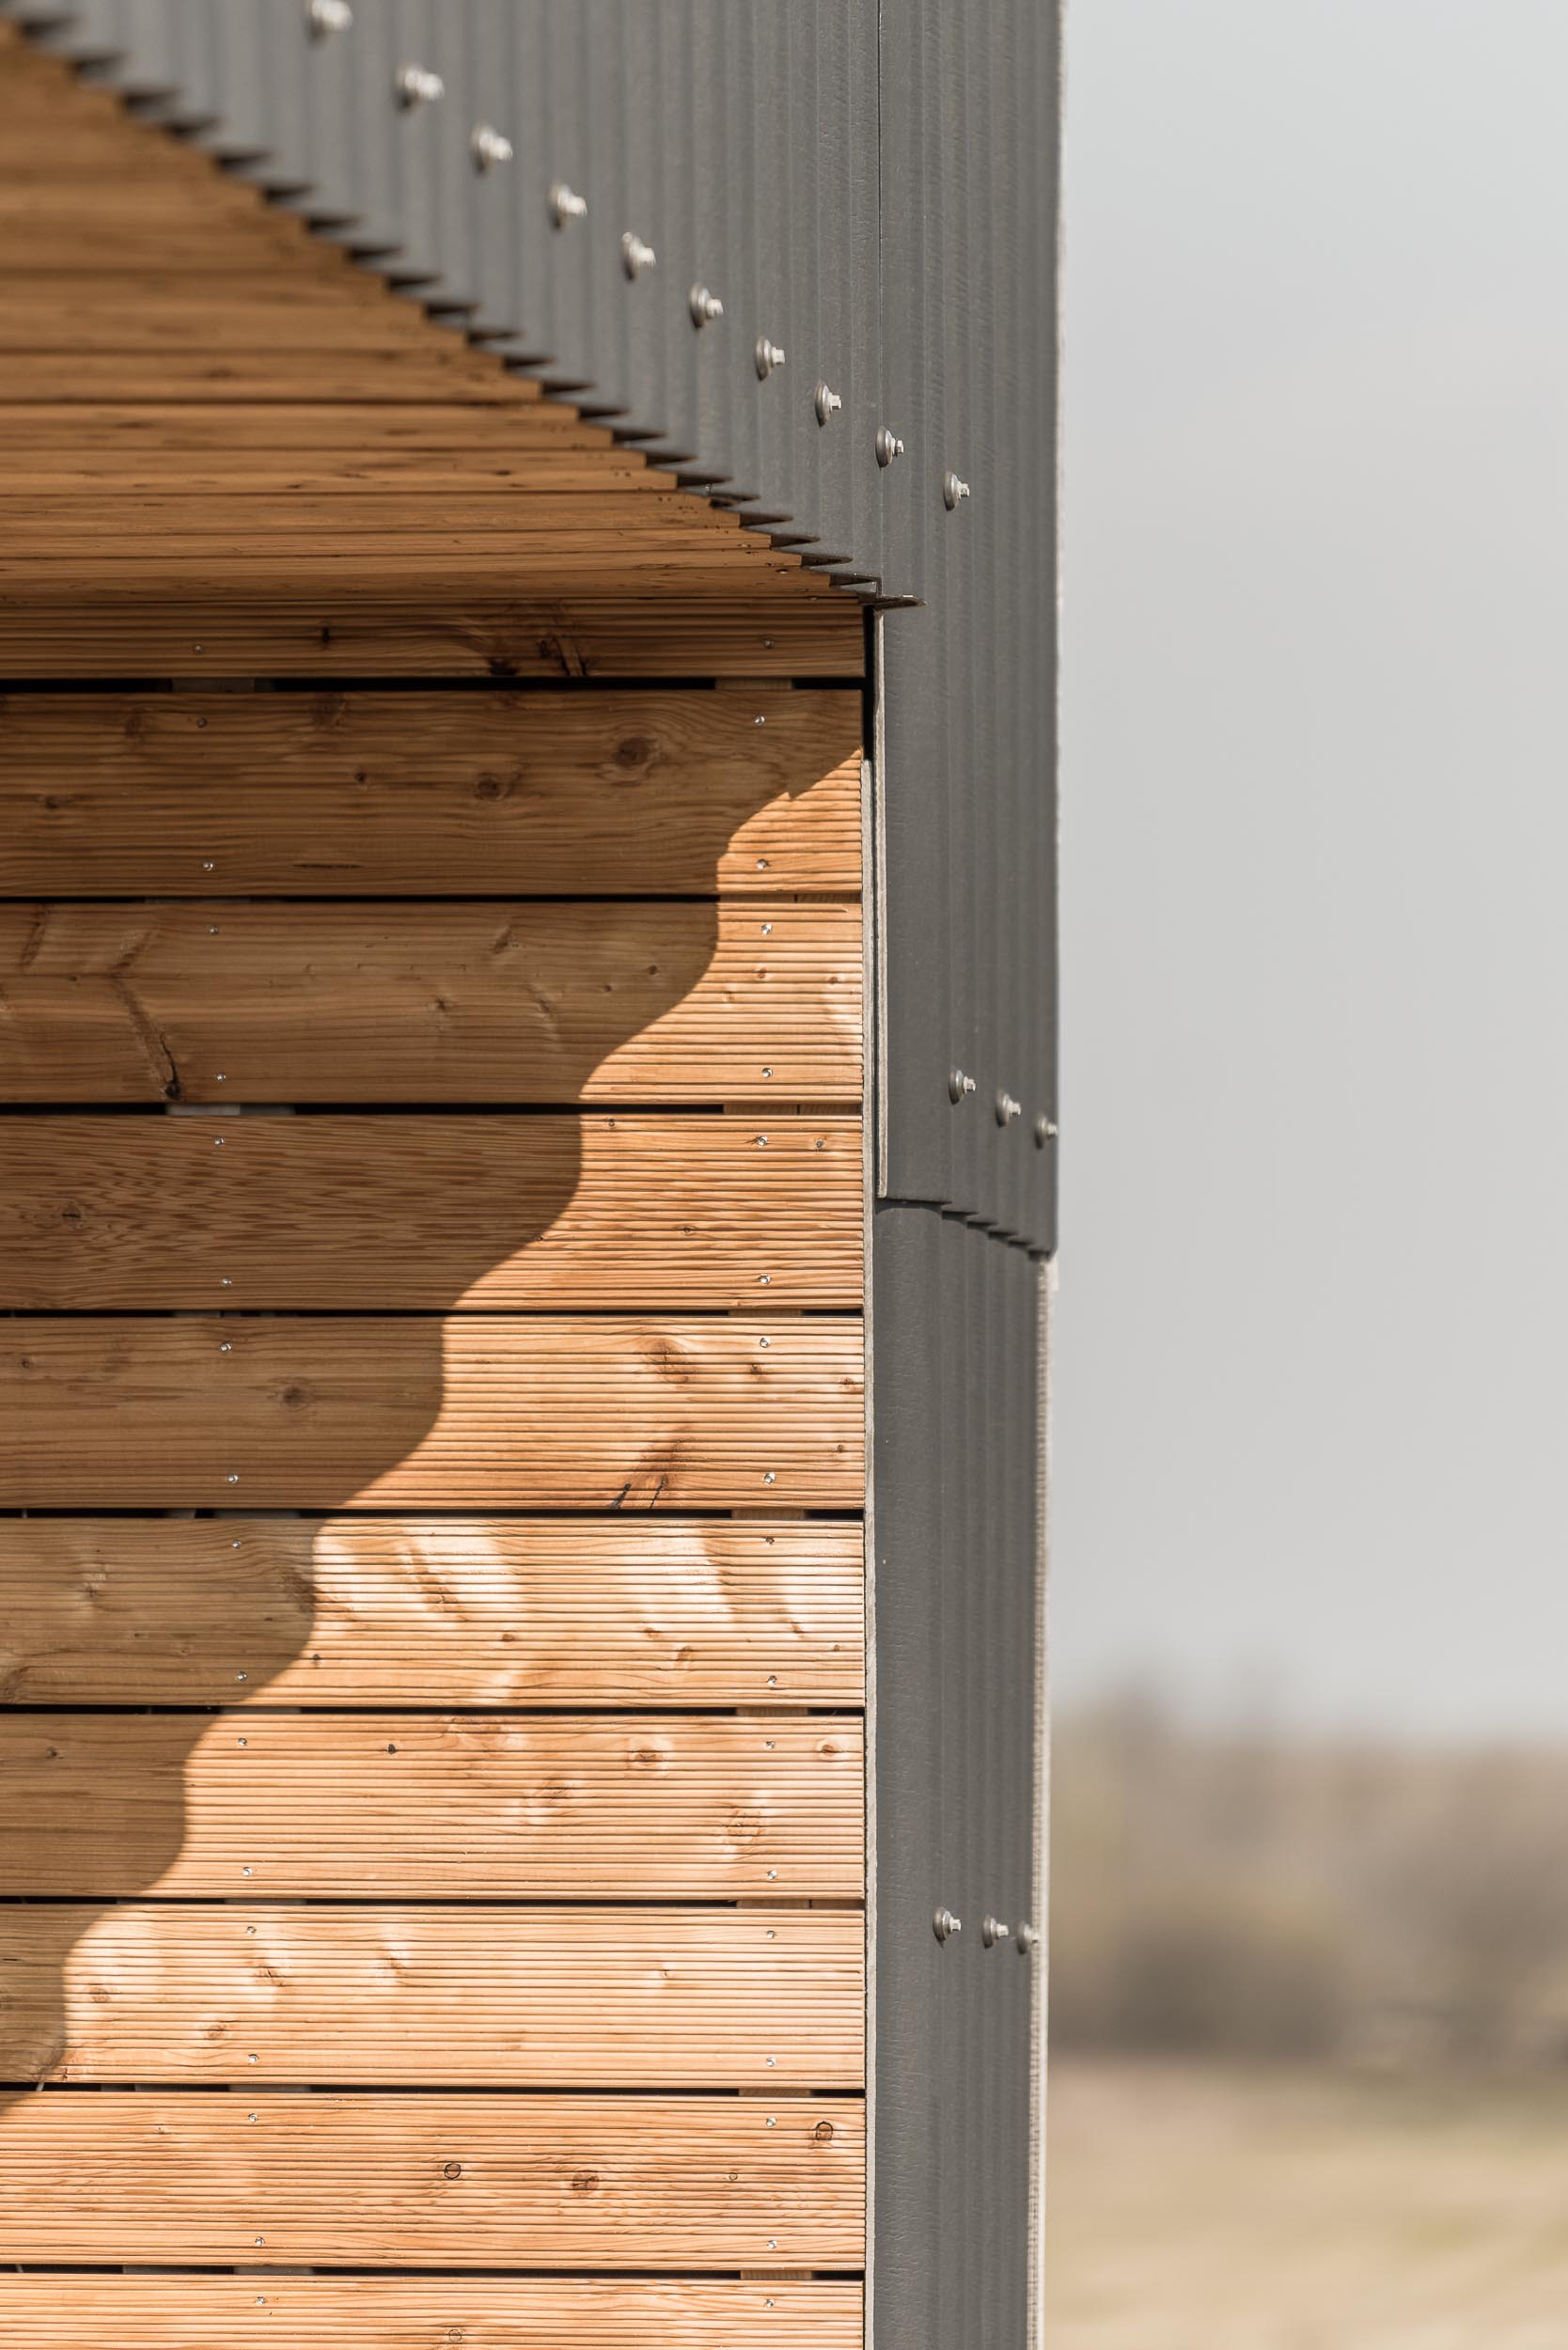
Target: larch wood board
396, 1212
578, 793
471, 1411
497, 1612
417, 1807
568, 524
504, 1001
112, 630
412, 2181
465, 1997
512, 428
65, 2311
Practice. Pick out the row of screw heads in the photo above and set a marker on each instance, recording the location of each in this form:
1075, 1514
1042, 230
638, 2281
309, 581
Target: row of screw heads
1008, 1108
416, 86
945, 1925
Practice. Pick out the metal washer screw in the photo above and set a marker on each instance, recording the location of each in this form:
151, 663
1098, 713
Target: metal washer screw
958, 1086
1008, 1108
636, 256
888, 445
826, 402
945, 1925
704, 306
954, 492
418, 85
488, 146
329, 16
992, 1931
767, 355
1045, 1129
565, 205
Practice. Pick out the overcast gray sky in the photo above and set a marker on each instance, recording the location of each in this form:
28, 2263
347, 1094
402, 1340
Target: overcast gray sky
1312, 1404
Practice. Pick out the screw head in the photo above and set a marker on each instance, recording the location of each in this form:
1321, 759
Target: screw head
1007, 1109
418, 85
704, 306
636, 256
565, 205
958, 1086
992, 1931
1027, 1939
1045, 1129
328, 16
888, 445
768, 357
489, 147
826, 402
945, 1925
954, 492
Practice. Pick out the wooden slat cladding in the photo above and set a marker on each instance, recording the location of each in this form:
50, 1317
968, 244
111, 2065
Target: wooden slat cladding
349, 1612
63, 2312
395, 1212
469, 2182
462, 1996
418, 1807
136, 279
461, 1002
338, 795
475, 1411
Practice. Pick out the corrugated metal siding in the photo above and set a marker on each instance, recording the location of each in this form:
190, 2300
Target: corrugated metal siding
969, 236
955, 1360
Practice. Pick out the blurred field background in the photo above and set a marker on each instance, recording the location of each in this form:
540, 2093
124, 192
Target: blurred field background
1310, 2034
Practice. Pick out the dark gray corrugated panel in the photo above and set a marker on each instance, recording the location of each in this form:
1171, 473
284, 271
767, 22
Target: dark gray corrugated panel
968, 228
955, 1371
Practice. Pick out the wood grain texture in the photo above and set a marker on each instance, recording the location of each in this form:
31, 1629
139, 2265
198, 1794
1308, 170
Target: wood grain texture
498, 1612
418, 1807
473, 1411
284, 629
338, 795
117, 435
470, 2181
458, 1002
392, 1213
198, 1994
65, 2311
509, 520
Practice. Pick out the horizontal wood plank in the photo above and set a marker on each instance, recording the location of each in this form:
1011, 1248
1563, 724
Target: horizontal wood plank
473, 1411
508, 518
338, 794
198, 1994
395, 1212
107, 432
212, 315
65, 2311
326, 630
416, 1807
468, 2182
501, 1612
459, 1002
